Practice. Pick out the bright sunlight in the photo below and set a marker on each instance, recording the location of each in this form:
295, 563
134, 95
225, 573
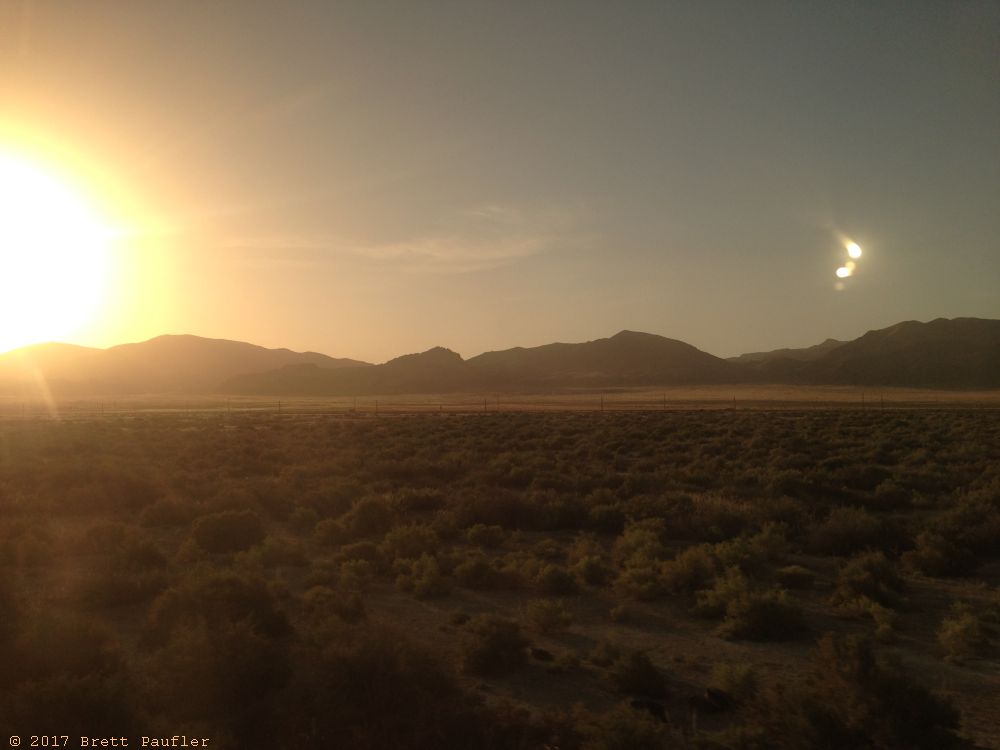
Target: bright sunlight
54, 256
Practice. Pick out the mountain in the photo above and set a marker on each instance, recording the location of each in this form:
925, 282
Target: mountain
437, 370
807, 354
626, 359
166, 364
956, 353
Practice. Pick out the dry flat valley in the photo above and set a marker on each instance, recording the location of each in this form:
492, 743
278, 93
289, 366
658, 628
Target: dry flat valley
695, 578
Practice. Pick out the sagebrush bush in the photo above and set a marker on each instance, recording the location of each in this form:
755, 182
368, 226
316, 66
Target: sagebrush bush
548, 616
871, 575
635, 674
963, 634
492, 645
847, 530
228, 531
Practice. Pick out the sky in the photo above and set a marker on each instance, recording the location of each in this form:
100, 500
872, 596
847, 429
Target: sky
369, 179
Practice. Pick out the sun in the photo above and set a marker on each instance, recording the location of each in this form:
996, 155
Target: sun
54, 256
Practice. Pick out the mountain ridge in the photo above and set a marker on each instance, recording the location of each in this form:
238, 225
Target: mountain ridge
941, 353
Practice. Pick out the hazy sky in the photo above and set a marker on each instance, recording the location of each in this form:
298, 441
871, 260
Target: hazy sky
374, 178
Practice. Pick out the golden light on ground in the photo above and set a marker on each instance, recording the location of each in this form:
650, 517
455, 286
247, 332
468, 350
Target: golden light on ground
843, 272
854, 250
54, 256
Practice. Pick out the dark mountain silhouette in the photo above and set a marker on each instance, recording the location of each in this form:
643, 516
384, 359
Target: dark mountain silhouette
806, 354
958, 353
625, 359
166, 364
437, 370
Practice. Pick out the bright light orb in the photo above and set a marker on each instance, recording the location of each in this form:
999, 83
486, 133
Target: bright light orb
854, 250
54, 256
843, 272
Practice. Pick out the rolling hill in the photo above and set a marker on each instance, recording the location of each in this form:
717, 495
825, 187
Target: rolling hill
165, 364
961, 353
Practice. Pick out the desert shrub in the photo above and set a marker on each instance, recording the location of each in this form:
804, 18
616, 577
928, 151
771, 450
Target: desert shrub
889, 494
322, 602
935, 555
419, 500
488, 537
853, 698
114, 587
555, 580
738, 679
370, 516
640, 540
509, 510
627, 728
423, 578
621, 613
228, 531
166, 512
303, 520
216, 598
606, 518
410, 541
276, 552
730, 584
963, 634
53, 645
605, 654
227, 672
690, 571
635, 674
102, 704
761, 616
548, 616
592, 570
847, 530
641, 579
491, 645
795, 577
376, 690
973, 524
331, 532
871, 575
752, 553
477, 573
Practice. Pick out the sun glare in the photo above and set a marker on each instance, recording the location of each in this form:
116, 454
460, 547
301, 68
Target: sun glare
854, 250
54, 256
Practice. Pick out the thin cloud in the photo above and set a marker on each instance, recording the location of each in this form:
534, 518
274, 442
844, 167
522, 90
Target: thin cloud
482, 238
452, 254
